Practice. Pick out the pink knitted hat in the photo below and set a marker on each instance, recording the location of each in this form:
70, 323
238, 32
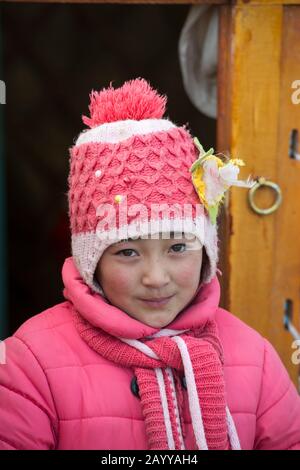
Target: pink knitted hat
130, 176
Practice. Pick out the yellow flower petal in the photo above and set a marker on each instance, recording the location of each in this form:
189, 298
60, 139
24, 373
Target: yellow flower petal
237, 161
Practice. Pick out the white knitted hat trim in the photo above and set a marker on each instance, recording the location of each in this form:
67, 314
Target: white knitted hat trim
114, 132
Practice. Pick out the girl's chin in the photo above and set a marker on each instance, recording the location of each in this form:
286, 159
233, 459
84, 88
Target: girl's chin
152, 317
158, 322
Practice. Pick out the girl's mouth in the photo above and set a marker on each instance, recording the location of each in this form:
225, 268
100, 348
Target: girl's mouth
157, 302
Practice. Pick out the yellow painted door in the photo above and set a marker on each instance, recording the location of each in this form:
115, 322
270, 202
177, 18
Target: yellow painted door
258, 121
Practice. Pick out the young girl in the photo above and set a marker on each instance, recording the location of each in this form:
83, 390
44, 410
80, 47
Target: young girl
140, 355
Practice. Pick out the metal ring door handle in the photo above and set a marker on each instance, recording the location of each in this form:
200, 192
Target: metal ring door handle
263, 182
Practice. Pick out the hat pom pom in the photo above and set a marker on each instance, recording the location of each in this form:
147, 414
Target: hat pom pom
134, 100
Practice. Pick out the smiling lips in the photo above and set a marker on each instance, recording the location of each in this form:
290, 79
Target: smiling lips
157, 302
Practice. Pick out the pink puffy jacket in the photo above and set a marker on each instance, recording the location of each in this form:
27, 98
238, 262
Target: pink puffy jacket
58, 393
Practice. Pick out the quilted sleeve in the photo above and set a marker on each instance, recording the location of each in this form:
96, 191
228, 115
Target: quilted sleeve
278, 412
27, 413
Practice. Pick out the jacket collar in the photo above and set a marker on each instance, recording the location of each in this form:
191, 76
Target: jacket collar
101, 314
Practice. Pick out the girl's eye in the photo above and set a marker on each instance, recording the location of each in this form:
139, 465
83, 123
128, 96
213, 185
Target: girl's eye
126, 251
179, 245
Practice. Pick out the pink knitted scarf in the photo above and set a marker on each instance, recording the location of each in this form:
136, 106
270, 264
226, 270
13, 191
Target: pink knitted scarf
158, 363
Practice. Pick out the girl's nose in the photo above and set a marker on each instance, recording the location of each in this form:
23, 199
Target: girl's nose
155, 275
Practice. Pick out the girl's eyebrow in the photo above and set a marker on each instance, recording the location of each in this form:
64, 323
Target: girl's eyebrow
125, 240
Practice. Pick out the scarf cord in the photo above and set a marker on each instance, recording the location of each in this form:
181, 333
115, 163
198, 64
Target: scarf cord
156, 362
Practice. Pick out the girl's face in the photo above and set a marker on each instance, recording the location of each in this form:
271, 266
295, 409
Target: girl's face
134, 273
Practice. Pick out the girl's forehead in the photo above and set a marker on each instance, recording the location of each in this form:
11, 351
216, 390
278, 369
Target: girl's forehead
158, 238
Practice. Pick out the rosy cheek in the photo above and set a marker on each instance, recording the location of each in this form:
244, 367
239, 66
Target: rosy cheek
119, 280
187, 272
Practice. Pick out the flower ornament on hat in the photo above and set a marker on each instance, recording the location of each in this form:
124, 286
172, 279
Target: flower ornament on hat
212, 178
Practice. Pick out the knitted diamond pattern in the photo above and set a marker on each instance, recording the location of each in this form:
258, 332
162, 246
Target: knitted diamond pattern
151, 168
